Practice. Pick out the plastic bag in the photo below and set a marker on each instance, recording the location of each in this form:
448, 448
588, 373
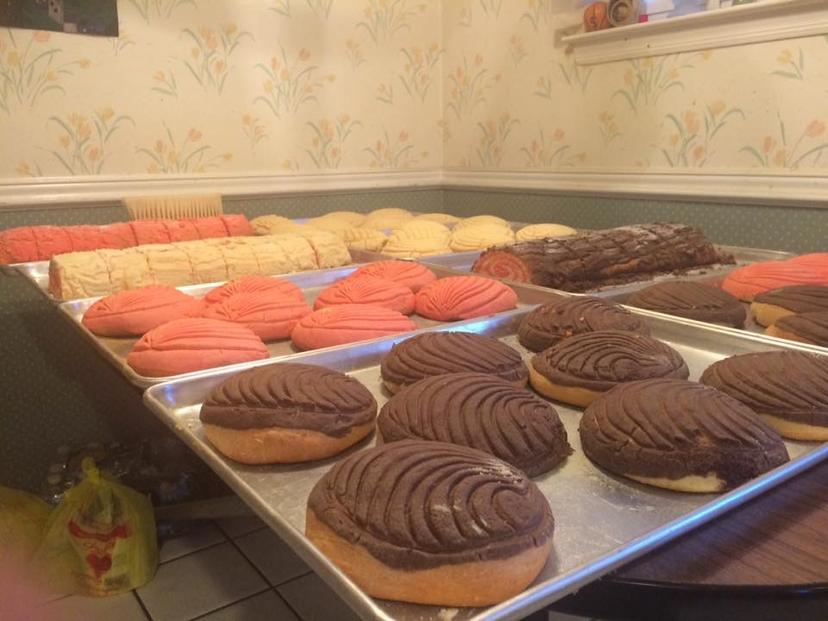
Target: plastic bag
22, 521
100, 540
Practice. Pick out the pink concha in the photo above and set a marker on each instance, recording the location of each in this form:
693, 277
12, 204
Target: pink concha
368, 290
348, 323
412, 275
187, 345
748, 281
464, 297
269, 317
137, 311
255, 284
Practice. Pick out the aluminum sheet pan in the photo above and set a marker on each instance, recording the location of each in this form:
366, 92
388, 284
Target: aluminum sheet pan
463, 262
115, 350
37, 273
602, 521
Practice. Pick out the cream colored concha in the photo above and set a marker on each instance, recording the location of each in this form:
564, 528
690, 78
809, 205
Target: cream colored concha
417, 239
275, 225
331, 225
390, 212
480, 237
442, 218
542, 231
482, 220
369, 240
351, 217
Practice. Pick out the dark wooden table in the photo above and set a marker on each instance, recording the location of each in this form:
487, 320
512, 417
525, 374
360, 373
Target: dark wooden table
767, 559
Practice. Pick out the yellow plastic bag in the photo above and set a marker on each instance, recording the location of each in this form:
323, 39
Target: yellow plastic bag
22, 520
100, 539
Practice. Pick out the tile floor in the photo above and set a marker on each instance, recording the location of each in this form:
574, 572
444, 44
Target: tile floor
228, 570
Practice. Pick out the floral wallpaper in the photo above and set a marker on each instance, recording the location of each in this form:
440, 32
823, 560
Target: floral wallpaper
247, 86
512, 100
302, 86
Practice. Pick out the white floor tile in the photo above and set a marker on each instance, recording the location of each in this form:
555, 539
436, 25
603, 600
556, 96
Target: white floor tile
266, 606
123, 607
200, 583
314, 600
237, 526
201, 536
272, 556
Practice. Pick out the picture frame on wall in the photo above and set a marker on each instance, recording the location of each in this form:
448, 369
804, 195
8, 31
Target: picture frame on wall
89, 17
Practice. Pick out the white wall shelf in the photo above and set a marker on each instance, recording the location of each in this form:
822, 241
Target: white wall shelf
749, 23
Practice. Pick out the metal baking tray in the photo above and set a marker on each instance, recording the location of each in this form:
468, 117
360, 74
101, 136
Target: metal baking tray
463, 262
115, 350
601, 521
37, 273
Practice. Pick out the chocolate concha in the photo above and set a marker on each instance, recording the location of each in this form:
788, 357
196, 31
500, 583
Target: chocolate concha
365, 289
464, 297
788, 385
438, 353
692, 300
797, 299
550, 323
292, 396
418, 505
482, 412
601, 360
256, 285
665, 430
807, 327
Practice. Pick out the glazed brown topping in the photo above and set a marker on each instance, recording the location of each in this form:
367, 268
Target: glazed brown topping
437, 353
295, 396
674, 428
812, 327
551, 323
416, 505
692, 300
600, 360
789, 384
798, 298
480, 411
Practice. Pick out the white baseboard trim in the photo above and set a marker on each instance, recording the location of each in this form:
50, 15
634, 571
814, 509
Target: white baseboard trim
767, 189
788, 189
81, 191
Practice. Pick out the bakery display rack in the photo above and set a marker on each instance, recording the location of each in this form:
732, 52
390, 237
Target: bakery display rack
602, 521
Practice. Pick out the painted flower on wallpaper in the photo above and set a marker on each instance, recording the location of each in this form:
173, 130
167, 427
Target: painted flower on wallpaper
777, 152
353, 52
794, 66
692, 143
550, 151
209, 60
575, 75
468, 86
418, 69
491, 8
290, 83
493, 136
320, 8
82, 145
121, 42
30, 70
385, 93
24, 169
190, 154
328, 142
390, 152
647, 80
165, 83
159, 8
253, 129
608, 127
383, 19
539, 12
517, 49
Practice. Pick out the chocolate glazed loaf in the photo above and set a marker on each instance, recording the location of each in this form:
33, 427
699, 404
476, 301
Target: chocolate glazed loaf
592, 260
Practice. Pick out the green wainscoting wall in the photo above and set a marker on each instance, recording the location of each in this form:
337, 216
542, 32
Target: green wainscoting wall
56, 390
